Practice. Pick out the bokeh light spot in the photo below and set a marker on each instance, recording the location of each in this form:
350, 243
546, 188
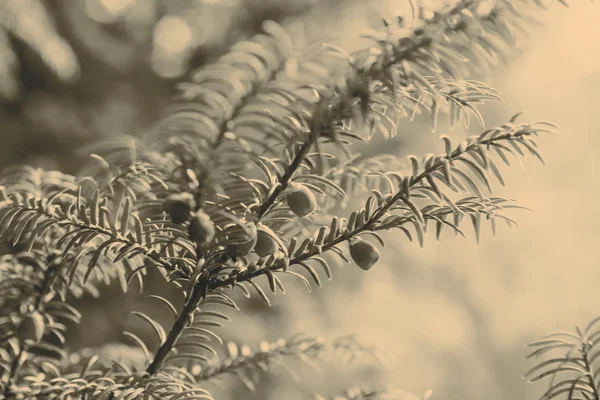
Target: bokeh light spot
172, 34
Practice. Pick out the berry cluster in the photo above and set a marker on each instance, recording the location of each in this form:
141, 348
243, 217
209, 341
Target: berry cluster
257, 237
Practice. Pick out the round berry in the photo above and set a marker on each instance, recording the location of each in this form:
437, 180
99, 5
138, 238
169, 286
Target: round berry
251, 237
301, 200
358, 86
202, 229
265, 242
179, 206
364, 253
32, 328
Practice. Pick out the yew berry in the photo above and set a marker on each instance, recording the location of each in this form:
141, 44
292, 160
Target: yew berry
179, 206
251, 237
202, 229
364, 253
32, 328
265, 242
301, 200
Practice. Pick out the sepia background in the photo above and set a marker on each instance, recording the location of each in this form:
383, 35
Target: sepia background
455, 315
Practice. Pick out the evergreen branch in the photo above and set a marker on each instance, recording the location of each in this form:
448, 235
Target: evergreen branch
575, 371
37, 315
204, 108
235, 77
211, 280
35, 182
101, 383
285, 178
332, 109
221, 91
285, 47
243, 363
492, 139
111, 372
389, 393
199, 288
206, 283
84, 230
92, 230
19, 358
592, 377
248, 120
409, 53
358, 174
196, 295
140, 177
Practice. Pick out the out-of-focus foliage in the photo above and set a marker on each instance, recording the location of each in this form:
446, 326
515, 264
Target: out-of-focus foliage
74, 70
112, 31
29, 22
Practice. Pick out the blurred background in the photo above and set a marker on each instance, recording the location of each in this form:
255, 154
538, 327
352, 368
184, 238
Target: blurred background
455, 314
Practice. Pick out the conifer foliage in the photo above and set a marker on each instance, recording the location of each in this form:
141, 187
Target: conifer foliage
568, 363
237, 187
